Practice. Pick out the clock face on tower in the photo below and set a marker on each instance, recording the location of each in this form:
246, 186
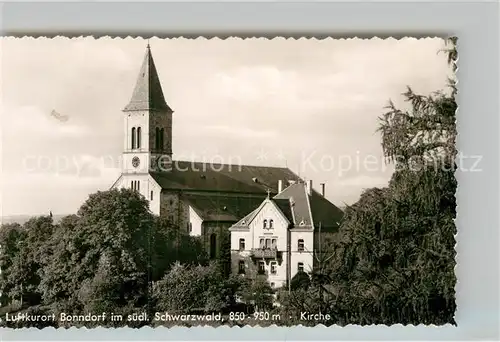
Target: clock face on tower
136, 161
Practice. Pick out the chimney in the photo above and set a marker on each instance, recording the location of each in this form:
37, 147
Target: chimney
323, 189
280, 186
310, 187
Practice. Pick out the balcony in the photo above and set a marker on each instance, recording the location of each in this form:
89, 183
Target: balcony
265, 253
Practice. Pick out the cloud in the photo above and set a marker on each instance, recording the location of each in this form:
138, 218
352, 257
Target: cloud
252, 83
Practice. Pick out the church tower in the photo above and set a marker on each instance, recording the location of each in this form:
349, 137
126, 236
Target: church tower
147, 124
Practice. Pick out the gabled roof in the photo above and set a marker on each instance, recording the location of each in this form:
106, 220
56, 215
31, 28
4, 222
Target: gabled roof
298, 206
325, 212
221, 207
245, 222
148, 94
187, 175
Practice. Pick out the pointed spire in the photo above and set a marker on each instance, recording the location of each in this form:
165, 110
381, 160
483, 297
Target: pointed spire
147, 94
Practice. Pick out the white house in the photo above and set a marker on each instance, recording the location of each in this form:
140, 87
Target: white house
280, 237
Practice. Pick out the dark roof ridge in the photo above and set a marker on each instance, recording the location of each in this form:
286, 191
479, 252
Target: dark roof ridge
247, 165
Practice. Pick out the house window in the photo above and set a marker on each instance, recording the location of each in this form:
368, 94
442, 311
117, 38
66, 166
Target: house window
132, 185
262, 267
268, 243
300, 245
271, 224
261, 243
274, 244
272, 285
152, 195
242, 244
138, 186
138, 137
133, 137
241, 267
274, 267
264, 225
300, 267
190, 227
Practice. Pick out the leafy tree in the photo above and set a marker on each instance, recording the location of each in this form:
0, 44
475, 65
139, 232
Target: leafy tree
23, 259
188, 288
12, 237
107, 247
393, 259
300, 280
171, 244
225, 253
57, 284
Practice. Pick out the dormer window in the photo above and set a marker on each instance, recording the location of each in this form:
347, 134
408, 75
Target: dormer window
264, 225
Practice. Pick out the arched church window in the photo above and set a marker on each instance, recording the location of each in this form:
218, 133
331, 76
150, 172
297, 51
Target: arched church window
162, 134
139, 137
133, 137
157, 138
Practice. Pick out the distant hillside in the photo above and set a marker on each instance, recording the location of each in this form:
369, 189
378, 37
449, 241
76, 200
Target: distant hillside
21, 219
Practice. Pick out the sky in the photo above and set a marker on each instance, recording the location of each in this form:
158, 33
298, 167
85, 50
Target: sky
310, 105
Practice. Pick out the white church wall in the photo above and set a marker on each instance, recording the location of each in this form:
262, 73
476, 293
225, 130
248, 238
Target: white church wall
195, 223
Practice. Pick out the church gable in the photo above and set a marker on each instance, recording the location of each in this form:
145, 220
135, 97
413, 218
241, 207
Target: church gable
267, 211
221, 207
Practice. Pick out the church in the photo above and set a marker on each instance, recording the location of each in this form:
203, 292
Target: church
205, 199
